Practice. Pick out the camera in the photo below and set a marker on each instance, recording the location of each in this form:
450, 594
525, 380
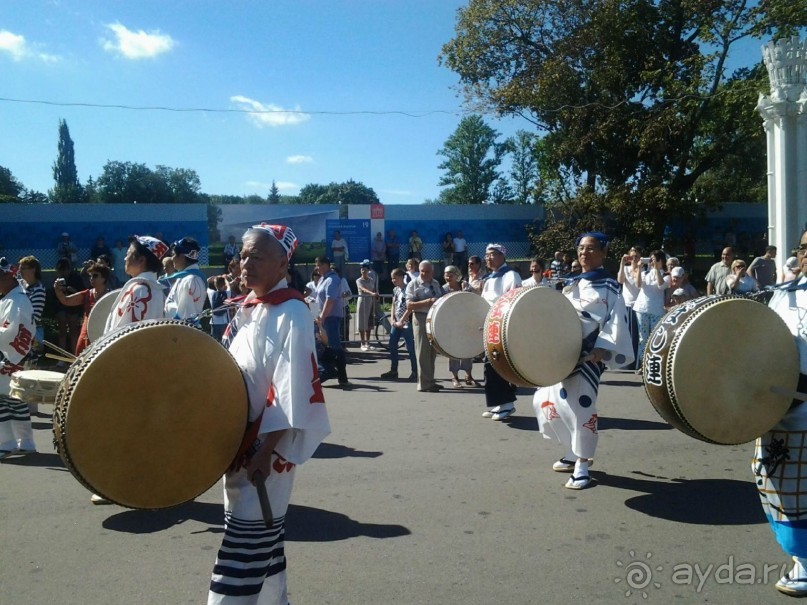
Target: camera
645, 260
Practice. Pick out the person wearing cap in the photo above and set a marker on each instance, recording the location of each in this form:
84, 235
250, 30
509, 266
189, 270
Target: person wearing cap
142, 296
500, 395
188, 293
680, 289
567, 411
17, 329
272, 340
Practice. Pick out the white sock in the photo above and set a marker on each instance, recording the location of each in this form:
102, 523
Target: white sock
581, 468
799, 570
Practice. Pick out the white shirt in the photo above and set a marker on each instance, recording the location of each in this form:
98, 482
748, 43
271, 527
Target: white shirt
460, 244
140, 298
494, 287
630, 290
792, 308
339, 243
651, 294
187, 296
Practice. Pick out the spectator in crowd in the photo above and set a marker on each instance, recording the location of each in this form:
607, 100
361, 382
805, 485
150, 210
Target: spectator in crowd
566, 265
16, 336
218, 295
401, 328
649, 304
575, 269
460, 251
536, 277
680, 289
631, 264
168, 267
66, 249
415, 245
329, 298
231, 250
412, 270
447, 246
791, 270
716, 277
311, 286
367, 293
331, 363
68, 318
476, 274
393, 251
347, 296
556, 266
763, 268
672, 262
339, 252
739, 282
454, 283
86, 299
112, 283
378, 253
99, 248
118, 255
421, 293
29, 274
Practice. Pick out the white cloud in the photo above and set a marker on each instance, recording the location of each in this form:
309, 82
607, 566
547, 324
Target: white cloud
258, 185
402, 192
267, 114
137, 44
299, 159
286, 185
281, 185
16, 46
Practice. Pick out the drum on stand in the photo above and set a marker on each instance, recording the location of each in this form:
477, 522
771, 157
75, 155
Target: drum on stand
454, 325
35, 387
710, 364
533, 336
96, 321
143, 437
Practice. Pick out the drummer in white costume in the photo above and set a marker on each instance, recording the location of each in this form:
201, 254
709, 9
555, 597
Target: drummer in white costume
780, 459
17, 329
500, 395
272, 339
188, 293
567, 411
142, 296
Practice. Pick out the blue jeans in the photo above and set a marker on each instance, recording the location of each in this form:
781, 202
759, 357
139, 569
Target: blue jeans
395, 336
332, 326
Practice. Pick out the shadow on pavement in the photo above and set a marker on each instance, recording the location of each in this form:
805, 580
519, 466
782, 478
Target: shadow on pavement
38, 459
696, 501
334, 450
621, 383
605, 423
149, 521
306, 524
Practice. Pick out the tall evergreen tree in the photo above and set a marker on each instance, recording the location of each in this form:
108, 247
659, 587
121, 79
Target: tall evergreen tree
67, 189
274, 194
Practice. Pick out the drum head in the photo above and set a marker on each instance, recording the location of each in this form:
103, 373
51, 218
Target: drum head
542, 336
35, 386
455, 324
96, 321
152, 415
724, 362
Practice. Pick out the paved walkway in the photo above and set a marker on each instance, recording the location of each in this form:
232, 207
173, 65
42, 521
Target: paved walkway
415, 498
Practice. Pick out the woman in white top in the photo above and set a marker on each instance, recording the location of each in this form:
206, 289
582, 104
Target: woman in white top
630, 263
649, 303
738, 281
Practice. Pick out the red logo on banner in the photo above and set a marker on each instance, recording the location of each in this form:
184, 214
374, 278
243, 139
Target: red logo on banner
376, 211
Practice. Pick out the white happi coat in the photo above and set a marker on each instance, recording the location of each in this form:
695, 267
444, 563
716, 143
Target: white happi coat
140, 298
567, 411
17, 330
186, 299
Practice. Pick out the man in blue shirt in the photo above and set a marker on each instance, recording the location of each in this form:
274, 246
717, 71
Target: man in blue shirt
328, 296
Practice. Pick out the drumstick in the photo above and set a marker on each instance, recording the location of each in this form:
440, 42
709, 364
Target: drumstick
60, 350
263, 497
788, 393
60, 358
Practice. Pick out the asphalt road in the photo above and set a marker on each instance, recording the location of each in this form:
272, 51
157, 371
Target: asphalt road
415, 498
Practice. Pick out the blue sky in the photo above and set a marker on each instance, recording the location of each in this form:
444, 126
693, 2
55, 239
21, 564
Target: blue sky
325, 58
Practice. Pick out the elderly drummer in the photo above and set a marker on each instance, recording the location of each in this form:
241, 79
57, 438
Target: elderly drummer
272, 340
567, 411
17, 329
500, 395
186, 299
780, 458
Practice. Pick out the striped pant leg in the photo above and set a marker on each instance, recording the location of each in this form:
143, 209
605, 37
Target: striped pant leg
15, 424
250, 566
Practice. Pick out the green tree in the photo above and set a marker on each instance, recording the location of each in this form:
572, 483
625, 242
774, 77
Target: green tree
472, 157
10, 187
349, 192
67, 189
524, 167
274, 194
128, 182
633, 98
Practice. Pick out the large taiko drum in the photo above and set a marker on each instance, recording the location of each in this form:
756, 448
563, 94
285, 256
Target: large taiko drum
454, 325
533, 336
709, 366
96, 320
151, 415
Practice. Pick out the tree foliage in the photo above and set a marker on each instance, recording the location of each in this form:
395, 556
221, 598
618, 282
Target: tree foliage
10, 187
472, 157
274, 194
633, 98
67, 189
128, 183
349, 192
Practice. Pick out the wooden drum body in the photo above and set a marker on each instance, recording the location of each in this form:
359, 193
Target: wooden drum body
710, 364
533, 336
35, 386
151, 415
454, 325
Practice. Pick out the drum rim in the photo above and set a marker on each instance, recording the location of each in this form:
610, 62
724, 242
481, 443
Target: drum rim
430, 320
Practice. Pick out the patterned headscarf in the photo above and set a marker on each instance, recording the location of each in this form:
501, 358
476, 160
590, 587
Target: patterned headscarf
6, 267
498, 248
284, 235
155, 246
188, 247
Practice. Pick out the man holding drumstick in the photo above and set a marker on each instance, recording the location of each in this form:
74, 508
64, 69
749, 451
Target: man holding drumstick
780, 460
272, 340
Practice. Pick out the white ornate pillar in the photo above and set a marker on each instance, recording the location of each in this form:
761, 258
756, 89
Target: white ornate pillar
784, 114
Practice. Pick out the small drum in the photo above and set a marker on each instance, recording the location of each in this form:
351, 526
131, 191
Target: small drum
533, 336
709, 366
454, 325
151, 415
96, 321
35, 387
